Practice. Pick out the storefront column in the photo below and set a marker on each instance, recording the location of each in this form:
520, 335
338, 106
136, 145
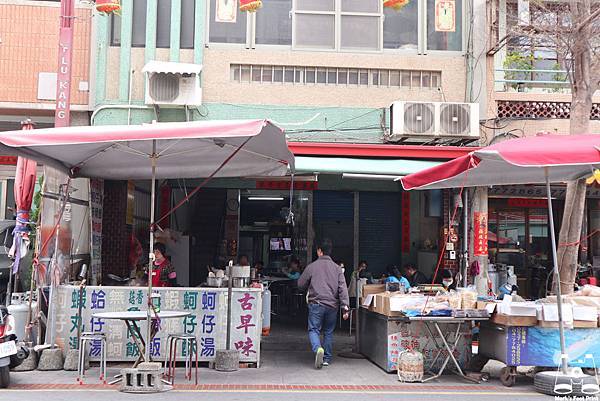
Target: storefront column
480, 207
356, 233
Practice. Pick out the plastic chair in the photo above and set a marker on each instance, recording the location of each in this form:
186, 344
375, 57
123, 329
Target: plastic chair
83, 340
170, 363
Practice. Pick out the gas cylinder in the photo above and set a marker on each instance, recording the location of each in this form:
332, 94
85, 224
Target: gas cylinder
266, 312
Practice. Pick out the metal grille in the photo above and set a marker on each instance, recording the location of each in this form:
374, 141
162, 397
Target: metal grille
164, 87
313, 75
540, 110
454, 119
419, 118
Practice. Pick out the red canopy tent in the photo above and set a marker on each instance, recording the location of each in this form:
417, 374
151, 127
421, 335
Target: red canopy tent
199, 149
531, 160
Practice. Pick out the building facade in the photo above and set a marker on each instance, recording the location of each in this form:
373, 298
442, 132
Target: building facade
29, 45
325, 71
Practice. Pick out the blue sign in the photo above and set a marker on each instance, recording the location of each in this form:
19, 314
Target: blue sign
537, 346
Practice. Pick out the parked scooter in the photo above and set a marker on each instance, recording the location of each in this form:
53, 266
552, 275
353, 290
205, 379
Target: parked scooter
11, 354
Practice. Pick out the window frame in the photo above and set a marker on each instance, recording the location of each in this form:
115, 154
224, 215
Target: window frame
338, 14
423, 30
422, 44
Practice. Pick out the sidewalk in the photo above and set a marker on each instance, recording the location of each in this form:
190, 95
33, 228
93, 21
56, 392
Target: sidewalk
287, 365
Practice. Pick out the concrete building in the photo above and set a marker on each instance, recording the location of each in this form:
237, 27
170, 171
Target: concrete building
325, 71
28, 65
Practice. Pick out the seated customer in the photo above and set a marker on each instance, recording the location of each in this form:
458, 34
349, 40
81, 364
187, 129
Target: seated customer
394, 276
293, 270
415, 277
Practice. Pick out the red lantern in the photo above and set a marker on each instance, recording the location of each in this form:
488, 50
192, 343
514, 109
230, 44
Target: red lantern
108, 6
395, 4
250, 5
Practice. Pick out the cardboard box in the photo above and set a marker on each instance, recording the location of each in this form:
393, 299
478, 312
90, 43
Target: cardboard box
506, 320
382, 304
585, 324
372, 289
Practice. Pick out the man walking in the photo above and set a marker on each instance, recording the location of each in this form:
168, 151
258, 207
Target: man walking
326, 292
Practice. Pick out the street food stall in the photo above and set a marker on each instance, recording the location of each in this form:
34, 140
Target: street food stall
201, 149
542, 159
438, 326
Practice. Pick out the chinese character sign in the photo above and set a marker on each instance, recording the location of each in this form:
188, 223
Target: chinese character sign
405, 245
96, 202
480, 239
207, 320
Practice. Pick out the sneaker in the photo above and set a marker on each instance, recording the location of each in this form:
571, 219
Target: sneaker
325, 363
319, 358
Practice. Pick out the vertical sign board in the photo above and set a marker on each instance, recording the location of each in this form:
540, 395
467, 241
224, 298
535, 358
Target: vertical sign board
480, 239
405, 222
62, 117
96, 203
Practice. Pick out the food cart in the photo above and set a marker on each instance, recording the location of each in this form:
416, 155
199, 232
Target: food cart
199, 149
391, 323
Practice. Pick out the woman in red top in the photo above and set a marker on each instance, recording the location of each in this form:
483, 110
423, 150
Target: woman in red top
163, 273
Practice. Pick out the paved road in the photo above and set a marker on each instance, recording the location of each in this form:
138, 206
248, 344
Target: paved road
183, 395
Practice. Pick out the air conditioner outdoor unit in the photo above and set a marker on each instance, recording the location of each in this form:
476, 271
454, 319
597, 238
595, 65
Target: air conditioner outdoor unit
434, 119
173, 84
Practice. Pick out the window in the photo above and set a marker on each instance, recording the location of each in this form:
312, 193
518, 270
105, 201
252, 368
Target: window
115, 30
311, 75
188, 14
444, 25
401, 28
163, 24
227, 23
274, 23
356, 22
341, 25
138, 38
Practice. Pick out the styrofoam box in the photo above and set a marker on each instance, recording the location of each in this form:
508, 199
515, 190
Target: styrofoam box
551, 312
585, 313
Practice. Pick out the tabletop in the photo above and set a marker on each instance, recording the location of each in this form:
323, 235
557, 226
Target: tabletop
274, 278
138, 315
445, 319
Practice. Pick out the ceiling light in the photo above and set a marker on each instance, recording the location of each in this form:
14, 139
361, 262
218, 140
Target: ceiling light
265, 198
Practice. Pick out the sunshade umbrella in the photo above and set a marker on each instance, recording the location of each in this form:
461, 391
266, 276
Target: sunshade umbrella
201, 149
23, 190
532, 160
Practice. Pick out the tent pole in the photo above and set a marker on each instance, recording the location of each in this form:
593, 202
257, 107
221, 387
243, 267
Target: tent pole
561, 327
153, 158
465, 241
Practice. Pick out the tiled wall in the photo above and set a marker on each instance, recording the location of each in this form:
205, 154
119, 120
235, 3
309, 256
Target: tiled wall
115, 231
29, 45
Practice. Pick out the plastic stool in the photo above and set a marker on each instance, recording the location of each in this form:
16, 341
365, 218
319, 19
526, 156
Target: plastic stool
171, 361
83, 340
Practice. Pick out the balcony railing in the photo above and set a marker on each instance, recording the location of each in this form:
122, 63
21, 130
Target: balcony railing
531, 80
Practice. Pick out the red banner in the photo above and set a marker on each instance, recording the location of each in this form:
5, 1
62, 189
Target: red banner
480, 239
62, 118
527, 203
405, 222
